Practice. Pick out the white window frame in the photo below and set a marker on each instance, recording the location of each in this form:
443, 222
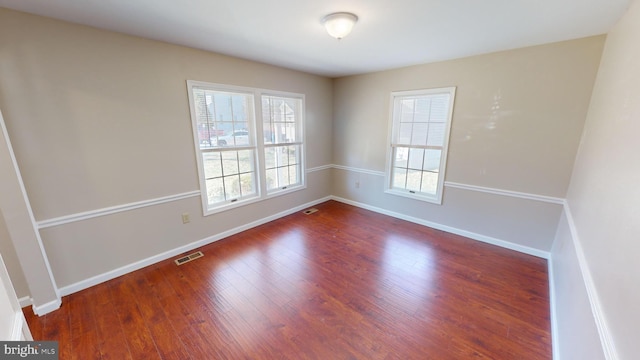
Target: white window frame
299, 142
394, 144
256, 142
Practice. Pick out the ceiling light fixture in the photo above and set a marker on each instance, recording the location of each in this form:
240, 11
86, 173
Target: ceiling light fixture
339, 24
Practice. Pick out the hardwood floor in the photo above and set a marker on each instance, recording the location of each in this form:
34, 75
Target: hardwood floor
342, 283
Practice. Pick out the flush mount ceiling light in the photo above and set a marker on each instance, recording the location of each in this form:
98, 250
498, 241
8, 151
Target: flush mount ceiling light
339, 24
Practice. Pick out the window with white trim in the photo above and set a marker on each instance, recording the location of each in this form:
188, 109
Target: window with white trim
249, 143
282, 141
419, 137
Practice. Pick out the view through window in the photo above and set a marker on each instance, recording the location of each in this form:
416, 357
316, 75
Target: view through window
241, 159
420, 124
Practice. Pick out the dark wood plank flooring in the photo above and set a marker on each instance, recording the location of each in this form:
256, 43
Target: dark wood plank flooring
342, 283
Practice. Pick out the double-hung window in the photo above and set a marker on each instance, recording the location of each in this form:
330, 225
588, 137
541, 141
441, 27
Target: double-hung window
419, 137
282, 141
249, 143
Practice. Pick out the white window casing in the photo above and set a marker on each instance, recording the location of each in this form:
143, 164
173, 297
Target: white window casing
419, 127
245, 154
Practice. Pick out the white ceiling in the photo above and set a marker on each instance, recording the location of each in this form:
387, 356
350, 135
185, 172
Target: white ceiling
389, 33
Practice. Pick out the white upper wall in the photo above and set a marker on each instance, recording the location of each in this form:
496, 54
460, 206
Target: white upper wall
605, 187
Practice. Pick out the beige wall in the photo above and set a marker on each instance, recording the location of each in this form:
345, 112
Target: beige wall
11, 260
575, 332
111, 111
99, 119
520, 224
18, 227
517, 121
605, 193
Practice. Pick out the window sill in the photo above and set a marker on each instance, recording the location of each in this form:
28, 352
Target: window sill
289, 189
416, 196
253, 200
228, 206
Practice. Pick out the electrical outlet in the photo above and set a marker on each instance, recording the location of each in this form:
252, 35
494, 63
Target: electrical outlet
185, 218
357, 184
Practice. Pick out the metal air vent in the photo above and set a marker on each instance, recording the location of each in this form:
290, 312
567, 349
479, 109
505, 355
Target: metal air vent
310, 211
187, 258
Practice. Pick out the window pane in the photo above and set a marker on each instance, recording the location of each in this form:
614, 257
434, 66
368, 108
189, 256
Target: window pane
432, 160
239, 176
215, 191
247, 184
281, 119
268, 133
399, 179
246, 161
292, 152
282, 124
439, 108
288, 133
419, 135
272, 179
401, 156
223, 120
404, 133
283, 166
283, 176
293, 175
204, 118
212, 164
423, 108
429, 182
230, 163
436, 134
270, 157
406, 110
420, 121
219, 115
232, 187
416, 158
414, 179
224, 124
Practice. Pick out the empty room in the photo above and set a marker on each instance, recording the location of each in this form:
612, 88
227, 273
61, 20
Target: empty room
329, 180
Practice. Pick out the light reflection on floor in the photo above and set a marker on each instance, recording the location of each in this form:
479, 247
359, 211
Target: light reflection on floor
407, 271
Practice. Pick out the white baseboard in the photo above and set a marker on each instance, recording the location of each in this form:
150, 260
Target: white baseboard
449, 229
606, 337
552, 309
84, 284
47, 308
41, 309
25, 301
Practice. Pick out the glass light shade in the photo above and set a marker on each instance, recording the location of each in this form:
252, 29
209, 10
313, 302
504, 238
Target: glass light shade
339, 24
